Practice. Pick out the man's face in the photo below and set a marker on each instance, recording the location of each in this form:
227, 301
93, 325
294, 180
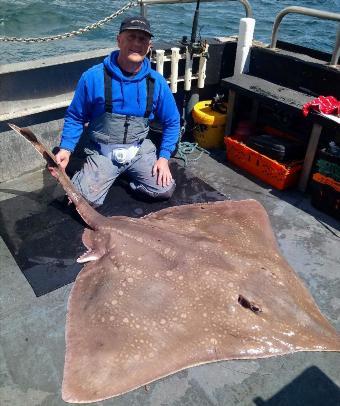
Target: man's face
133, 45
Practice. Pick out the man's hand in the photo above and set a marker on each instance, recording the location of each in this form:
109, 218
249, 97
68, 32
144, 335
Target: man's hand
62, 157
162, 171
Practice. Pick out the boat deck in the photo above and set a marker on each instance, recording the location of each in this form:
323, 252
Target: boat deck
32, 343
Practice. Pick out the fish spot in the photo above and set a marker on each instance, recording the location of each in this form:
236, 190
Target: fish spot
130, 280
213, 341
111, 318
103, 319
114, 302
163, 321
125, 320
231, 309
180, 277
168, 273
183, 315
120, 293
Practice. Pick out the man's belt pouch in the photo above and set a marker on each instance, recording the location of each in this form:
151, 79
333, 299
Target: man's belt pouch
278, 148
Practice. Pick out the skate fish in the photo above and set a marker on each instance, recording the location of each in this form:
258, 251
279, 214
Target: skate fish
180, 287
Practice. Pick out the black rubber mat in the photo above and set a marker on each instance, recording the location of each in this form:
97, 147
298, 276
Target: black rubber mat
44, 235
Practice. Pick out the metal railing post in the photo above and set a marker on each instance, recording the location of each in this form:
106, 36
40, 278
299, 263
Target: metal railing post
325, 15
143, 9
336, 52
245, 3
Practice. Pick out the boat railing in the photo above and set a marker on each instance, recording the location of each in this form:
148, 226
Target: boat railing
325, 15
145, 3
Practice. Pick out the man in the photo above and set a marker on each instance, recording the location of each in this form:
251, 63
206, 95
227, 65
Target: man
117, 98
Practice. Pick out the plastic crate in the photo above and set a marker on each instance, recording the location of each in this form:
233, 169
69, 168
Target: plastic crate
326, 180
327, 156
326, 195
280, 176
329, 164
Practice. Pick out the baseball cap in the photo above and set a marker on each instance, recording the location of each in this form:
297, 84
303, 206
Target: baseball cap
135, 23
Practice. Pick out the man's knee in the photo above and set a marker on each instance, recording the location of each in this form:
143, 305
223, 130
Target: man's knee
159, 194
95, 178
165, 195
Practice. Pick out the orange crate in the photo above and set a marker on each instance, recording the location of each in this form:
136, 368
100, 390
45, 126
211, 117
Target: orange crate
326, 195
274, 173
318, 177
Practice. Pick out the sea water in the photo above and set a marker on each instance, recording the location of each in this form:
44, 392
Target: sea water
38, 18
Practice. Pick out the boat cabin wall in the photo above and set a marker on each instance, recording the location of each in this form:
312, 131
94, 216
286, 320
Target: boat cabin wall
296, 71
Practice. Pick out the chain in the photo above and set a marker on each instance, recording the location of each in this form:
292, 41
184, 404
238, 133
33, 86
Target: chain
73, 33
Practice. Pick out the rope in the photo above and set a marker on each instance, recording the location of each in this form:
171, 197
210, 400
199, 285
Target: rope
187, 148
73, 33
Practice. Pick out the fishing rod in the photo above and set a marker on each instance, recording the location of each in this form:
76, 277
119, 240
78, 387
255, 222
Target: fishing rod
195, 47
195, 22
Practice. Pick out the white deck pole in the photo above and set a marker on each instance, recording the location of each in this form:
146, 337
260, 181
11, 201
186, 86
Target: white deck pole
202, 69
188, 70
244, 43
160, 60
174, 69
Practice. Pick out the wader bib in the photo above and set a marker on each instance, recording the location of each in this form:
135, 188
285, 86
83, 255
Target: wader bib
118, 136
120, 145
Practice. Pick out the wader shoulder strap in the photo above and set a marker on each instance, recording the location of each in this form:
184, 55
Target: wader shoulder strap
150, 86
108, 91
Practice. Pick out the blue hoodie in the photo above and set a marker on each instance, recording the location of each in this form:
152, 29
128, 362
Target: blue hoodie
129, 95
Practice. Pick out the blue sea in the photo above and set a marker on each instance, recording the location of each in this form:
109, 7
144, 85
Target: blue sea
35, 18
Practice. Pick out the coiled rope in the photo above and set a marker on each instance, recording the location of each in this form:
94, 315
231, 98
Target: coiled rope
188, 148
73, 33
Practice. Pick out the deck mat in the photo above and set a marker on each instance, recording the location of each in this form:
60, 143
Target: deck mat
44, 236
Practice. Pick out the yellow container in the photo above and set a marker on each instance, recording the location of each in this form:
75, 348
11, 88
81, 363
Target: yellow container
209, 125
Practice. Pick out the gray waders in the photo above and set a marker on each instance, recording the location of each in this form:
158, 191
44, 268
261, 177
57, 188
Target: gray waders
118, 144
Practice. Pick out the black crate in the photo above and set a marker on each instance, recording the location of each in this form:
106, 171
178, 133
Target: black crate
278, 148
326, 199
